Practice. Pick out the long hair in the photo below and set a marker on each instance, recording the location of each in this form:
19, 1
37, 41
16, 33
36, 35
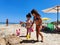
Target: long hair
35, 12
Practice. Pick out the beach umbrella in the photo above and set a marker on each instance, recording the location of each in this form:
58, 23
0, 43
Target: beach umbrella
55, 9
45, 19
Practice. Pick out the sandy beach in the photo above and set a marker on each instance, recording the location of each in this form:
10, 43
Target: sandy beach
49, 39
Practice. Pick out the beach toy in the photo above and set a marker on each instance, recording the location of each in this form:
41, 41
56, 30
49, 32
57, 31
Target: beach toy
28, 36
18, 32
31, 30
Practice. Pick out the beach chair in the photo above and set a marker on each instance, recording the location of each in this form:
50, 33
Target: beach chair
50, 26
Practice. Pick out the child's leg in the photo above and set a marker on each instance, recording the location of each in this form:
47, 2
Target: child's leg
30, 34
27, 32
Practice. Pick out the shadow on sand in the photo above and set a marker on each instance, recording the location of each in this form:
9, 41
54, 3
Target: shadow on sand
22, 36
28, 41
48, 30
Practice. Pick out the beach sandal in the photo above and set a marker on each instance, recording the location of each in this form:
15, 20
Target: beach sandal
28, 37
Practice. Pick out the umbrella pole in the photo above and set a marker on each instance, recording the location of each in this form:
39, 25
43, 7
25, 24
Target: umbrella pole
57, 15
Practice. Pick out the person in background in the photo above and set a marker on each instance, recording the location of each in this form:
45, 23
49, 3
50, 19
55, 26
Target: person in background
38, 21
28, 24
6, 22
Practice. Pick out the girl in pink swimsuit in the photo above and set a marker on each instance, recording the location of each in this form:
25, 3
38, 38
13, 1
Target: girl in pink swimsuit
28, 24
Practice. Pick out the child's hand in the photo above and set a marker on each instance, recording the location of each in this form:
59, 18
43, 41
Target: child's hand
32, 27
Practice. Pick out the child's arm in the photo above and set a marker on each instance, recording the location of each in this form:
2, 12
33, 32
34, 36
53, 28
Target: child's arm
32, 23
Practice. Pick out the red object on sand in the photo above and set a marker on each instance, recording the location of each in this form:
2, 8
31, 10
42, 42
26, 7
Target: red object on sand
18, 32
31, 30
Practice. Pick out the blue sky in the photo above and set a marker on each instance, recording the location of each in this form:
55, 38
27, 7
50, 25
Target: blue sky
16, 10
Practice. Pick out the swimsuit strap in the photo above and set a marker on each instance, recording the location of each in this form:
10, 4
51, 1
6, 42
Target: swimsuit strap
36, 18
